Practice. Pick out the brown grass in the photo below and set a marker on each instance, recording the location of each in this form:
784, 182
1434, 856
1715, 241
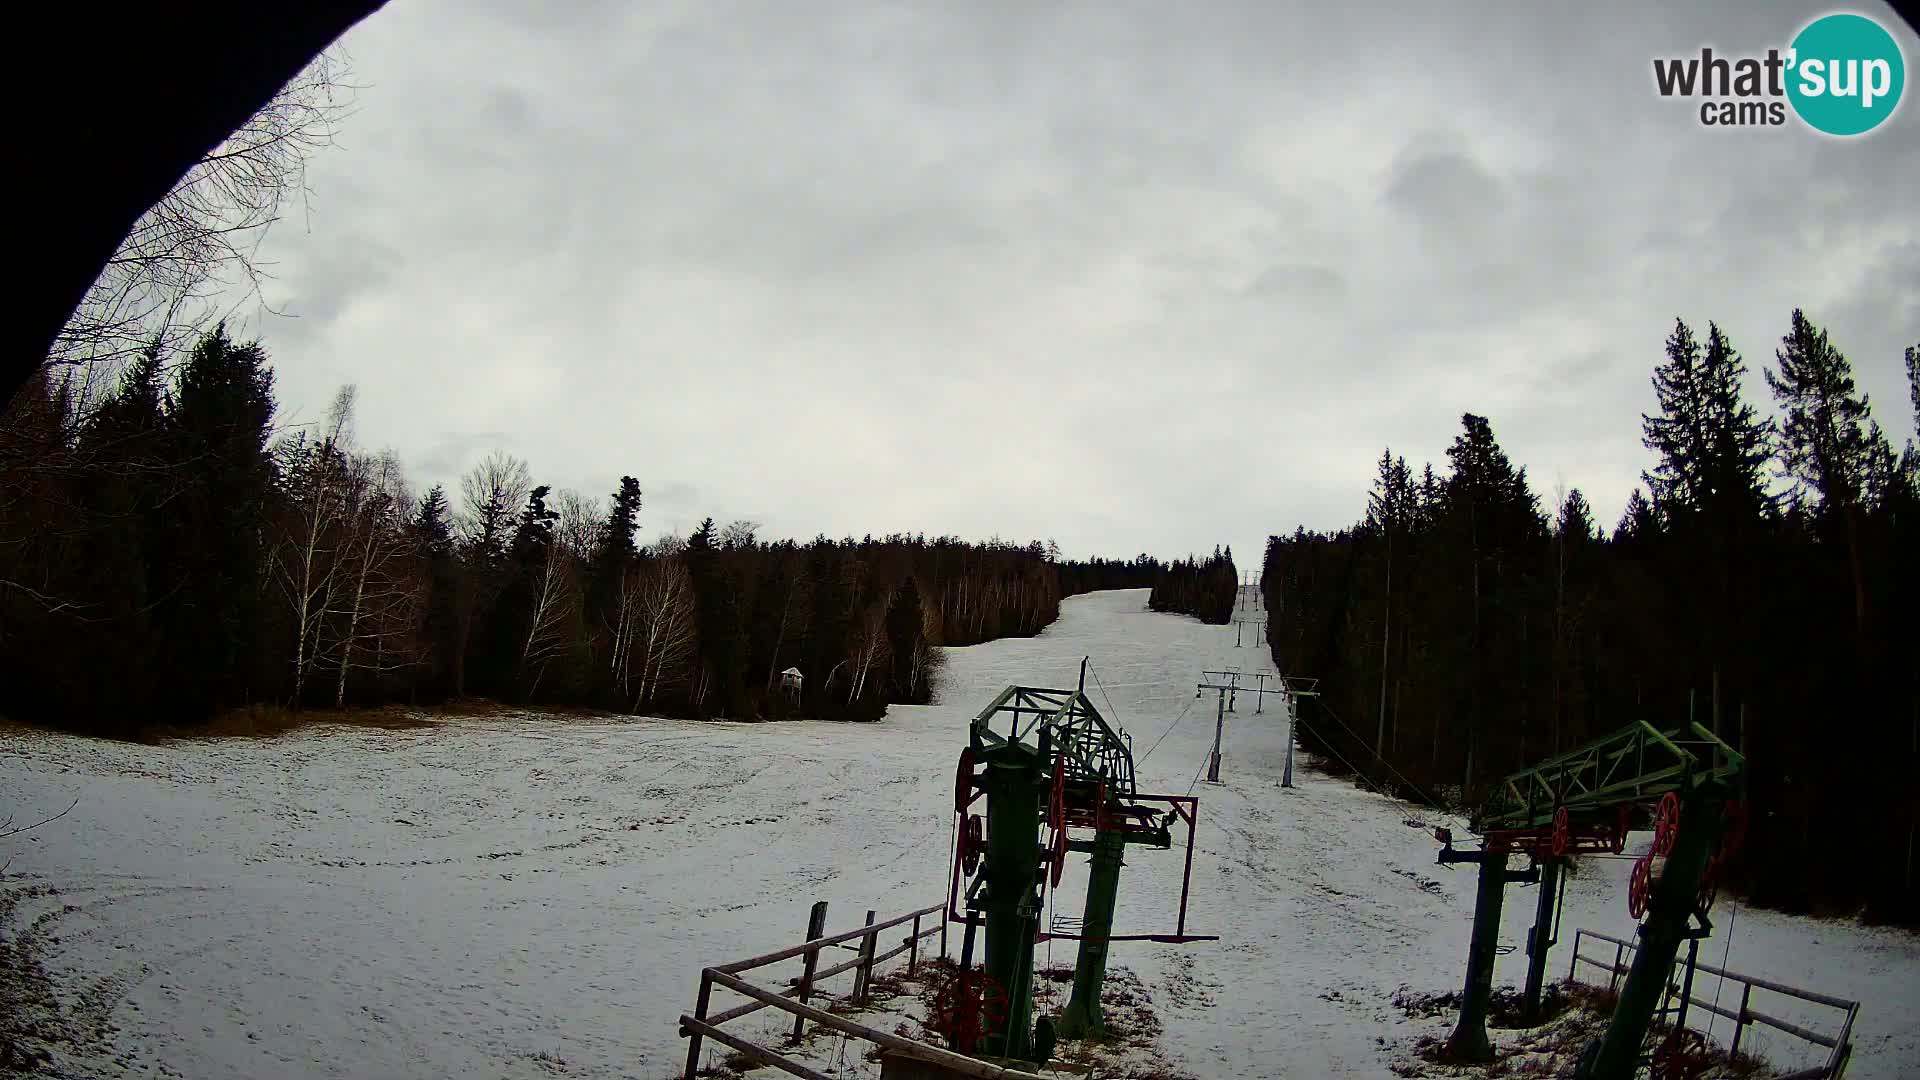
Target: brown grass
272, 721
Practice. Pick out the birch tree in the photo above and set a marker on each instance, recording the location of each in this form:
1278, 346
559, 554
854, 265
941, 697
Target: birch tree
664, 629
380, 594
869, 649
305, 561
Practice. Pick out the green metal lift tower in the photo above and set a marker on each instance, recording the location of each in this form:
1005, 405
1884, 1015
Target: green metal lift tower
1055, 765
1585, 800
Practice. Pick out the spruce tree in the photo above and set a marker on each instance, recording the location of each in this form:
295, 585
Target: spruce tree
1825, 445
1823, 435
212, 545
432, 528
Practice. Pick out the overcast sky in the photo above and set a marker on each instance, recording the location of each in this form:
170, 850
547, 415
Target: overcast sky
1133, 276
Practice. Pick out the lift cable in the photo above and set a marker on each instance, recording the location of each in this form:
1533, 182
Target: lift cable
1169, 731
1411, 786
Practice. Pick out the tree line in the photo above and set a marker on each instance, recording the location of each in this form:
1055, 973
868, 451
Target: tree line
165, 555
1204, 588
1761, 582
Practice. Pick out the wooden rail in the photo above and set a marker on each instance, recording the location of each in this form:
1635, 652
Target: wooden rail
701, 1025
1839, 1046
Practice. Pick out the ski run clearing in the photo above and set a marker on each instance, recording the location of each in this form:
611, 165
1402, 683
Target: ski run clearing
524, 895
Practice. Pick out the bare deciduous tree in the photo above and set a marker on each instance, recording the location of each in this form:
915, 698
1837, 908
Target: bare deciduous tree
491, 495
305, 562
556, 597
739, 535
381, 594
582, 524
869, 649
665, 625
165, 281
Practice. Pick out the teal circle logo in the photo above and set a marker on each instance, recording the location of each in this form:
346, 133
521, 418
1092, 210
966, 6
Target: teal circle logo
1846, 74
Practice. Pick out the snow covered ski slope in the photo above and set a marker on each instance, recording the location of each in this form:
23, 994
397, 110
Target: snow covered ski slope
527, 896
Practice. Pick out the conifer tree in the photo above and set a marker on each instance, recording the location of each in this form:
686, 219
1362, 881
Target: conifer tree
1825, 445
213, 545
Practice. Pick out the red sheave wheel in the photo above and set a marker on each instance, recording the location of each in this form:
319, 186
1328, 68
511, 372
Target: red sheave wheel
1562, 831
1709, 886
971, 1005
1640, 886
1666, 824
1058, 856
1734, 828
973, 844
1057, 802
963, 781
1683, 1055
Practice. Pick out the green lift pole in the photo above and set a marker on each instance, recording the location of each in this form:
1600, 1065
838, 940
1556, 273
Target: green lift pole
1668, 912
1469, 1041
1083, 1016
1014, 778
1541, 939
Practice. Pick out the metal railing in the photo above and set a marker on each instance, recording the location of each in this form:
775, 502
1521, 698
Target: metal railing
1838, 1045
702, 1025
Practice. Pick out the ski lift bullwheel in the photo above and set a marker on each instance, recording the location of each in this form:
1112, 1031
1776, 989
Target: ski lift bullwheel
963, 781
1666, 824
1562, 831
1734, 828
1057, 801
1640, 886
973, 844
971, 1005
1709, 886
1682, 1055
1057, 857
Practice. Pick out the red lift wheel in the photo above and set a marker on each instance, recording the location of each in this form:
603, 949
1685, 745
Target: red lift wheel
1562, 831
1058, 857
1640, 886
1734, 831
1057, 802
1682, 1055
1709, 886
970, 1006
1666, 824
963, 781
972, 844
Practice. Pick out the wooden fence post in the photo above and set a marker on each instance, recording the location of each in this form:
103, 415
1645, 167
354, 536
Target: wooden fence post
699, 1013
816, 927
913, 946
863, 974
1740, 1025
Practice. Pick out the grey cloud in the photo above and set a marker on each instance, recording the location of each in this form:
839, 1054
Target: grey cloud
1129, 275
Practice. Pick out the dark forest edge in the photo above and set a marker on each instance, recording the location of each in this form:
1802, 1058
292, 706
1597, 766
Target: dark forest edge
1764, 583
167, 561
1203, 588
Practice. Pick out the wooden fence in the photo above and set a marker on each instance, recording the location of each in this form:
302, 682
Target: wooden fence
701, 1024
1838, 1045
